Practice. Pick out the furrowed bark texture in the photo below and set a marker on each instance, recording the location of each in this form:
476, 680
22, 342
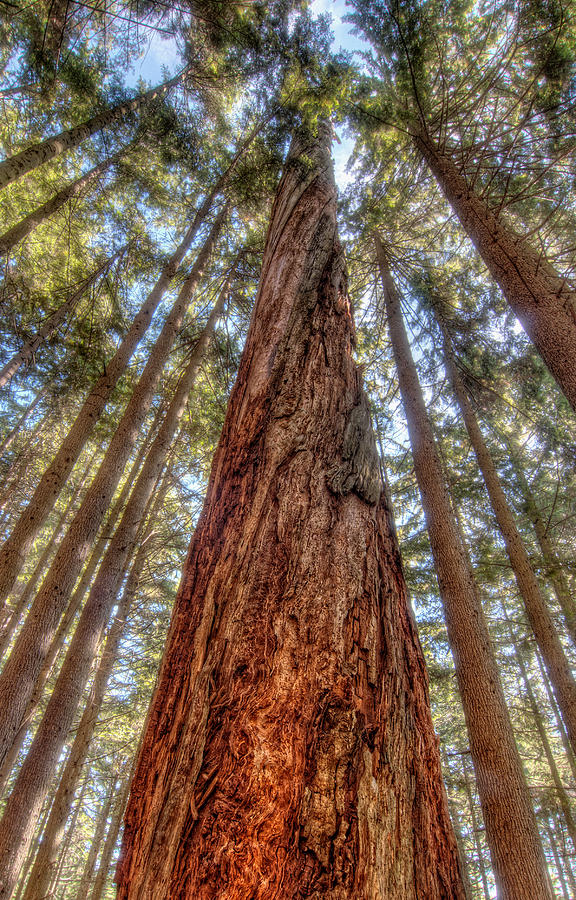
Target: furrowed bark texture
511, 831
289, 751
20, 164
15, 548
543, 302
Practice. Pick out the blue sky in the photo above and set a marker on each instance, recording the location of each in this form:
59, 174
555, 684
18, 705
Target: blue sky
162, 54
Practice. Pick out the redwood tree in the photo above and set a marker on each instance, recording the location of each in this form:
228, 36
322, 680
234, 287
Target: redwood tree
289, 749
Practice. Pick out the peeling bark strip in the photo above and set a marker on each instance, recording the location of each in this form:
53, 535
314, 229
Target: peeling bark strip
542, 301
290, 751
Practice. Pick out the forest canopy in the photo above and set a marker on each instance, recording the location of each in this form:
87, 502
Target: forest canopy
250, 409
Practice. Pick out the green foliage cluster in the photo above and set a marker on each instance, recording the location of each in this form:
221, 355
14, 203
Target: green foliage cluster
494, 85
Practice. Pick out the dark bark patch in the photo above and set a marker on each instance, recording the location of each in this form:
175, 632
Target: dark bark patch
360, 468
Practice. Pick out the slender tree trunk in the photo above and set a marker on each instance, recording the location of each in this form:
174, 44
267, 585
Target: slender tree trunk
69, 616
111, 838
534, 603
33, 781
11, 624
559, 722
32, 853
64, 853
96, 844
21, 461
553, 567
22, 668
18, 165
27, 351
53, 38
456, 823
475, 831
563, 798
25, 226
517, 856
542, 301
557, 863
14, 550
9, 439
47, 855
289, 750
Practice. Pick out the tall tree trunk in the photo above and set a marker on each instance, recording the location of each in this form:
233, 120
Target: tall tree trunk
34, 847
18, 165
111, 838
25, 662
8, 440
102, 820
53, 38
475, 830
33, 781
563, 798
559, 722
13, 551
289, 750
534, 603
557, 863
27, 351
553, 567
69, 616
47, 855
542, 301
25, 226
10, 625
456, 823
517, 857
65, 851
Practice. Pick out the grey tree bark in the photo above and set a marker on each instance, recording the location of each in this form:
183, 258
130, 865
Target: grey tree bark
25, 662
517, 857
33, 781
14, 549
20, 164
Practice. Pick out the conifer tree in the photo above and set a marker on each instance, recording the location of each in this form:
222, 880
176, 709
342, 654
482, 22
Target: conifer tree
277, 668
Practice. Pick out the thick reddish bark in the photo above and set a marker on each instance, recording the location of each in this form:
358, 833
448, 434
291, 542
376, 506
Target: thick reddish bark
543, 301
290, 751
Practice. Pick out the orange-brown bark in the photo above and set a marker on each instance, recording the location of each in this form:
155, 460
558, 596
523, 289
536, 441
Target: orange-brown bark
290, 751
